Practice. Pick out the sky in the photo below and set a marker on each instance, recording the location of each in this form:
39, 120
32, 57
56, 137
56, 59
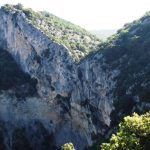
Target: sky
90, 14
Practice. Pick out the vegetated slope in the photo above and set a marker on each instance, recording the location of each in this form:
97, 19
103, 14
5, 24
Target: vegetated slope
127, 52
74, 102
79, 41
134, 134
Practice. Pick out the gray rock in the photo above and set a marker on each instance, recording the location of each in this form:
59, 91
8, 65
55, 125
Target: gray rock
74, 102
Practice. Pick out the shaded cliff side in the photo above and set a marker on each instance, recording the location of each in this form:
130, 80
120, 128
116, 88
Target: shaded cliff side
61, 101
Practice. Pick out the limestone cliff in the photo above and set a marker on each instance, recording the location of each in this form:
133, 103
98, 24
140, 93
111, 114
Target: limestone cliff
60, 106
69, 101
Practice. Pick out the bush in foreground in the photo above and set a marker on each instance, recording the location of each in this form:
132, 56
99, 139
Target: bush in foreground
133, 134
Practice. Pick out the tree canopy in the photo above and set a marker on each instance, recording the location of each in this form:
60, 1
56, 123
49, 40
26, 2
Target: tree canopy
133, 134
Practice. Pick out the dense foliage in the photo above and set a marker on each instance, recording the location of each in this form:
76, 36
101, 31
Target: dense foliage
79, 41
133, 134
128, 52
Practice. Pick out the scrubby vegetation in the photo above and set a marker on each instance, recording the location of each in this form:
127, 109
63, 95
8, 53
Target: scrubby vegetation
79, 41
128, 51
133, 134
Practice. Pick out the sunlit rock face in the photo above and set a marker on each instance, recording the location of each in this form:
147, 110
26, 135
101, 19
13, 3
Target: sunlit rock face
54, 100
72, 102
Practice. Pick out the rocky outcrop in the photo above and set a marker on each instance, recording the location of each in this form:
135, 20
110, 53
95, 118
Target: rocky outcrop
71, 102
59, 106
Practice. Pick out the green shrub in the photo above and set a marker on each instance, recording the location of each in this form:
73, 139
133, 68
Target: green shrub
8, 8
59, 30
19, 6
133, 134
68, 146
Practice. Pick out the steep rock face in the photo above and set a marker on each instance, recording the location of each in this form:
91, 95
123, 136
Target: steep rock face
71, 102
62, 110
50, 64
35, 53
